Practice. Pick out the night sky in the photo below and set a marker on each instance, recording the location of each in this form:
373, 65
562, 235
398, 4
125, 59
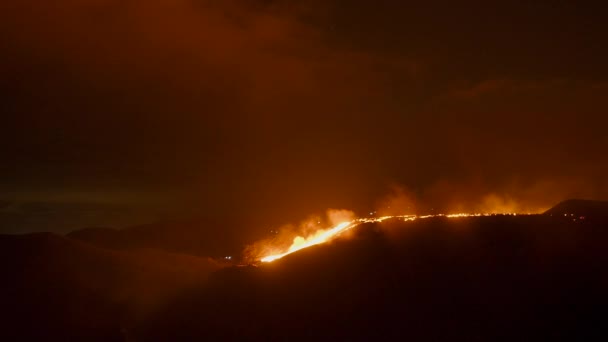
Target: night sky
262, 112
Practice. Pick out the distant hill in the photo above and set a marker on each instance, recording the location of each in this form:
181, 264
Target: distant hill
207, 239
588, 209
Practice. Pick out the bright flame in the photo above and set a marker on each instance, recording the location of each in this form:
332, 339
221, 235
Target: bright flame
320, 236
325, 235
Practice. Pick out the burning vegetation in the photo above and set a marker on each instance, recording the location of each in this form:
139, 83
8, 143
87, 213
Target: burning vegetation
274, 249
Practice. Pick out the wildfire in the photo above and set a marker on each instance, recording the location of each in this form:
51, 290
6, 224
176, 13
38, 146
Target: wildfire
325, 235
320, 236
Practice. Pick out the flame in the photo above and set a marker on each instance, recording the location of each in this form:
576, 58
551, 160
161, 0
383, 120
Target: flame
320, 236
325, 235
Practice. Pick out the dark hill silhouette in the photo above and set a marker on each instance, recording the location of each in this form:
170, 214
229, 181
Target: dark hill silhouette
499, 278
576, 209
477, 279
207, 239
57, 288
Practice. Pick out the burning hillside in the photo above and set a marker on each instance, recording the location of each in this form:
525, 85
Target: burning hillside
324, 235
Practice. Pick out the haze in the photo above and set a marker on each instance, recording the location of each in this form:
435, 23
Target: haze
125, 112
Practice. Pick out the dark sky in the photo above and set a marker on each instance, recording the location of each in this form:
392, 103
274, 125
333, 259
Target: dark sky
116, 112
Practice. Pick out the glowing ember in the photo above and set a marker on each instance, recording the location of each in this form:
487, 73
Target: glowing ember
325, 235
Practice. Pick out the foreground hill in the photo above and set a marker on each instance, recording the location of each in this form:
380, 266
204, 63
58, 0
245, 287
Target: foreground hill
473, 279
57, 288
467, 279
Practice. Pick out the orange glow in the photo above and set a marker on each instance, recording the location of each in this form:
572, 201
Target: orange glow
320, 236
324, 235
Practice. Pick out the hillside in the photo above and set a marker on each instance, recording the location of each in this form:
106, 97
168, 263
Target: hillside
57, 287
202, 238
494, 278
581, 209
473, 279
